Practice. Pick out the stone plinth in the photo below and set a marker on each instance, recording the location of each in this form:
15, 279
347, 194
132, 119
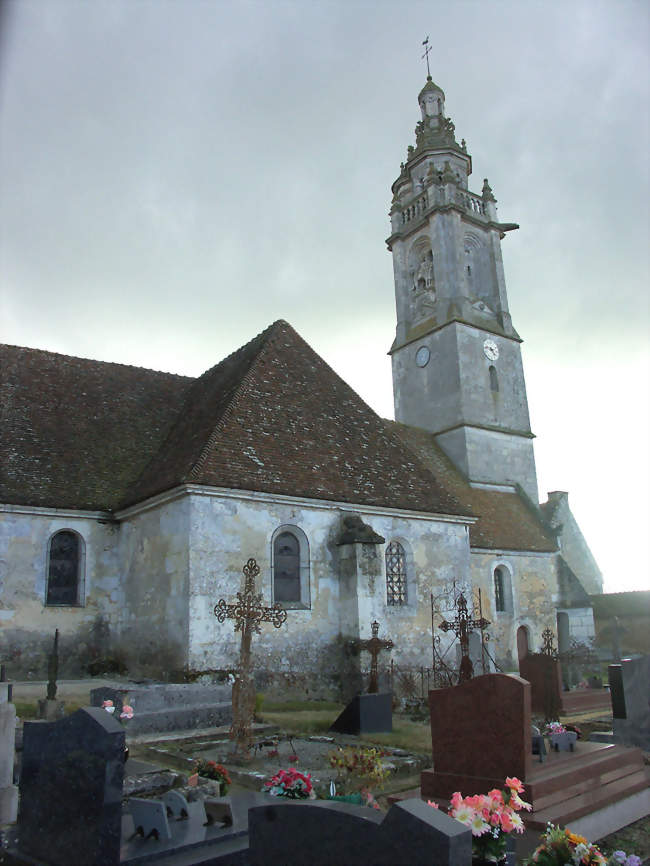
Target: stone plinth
630, 687
366, 714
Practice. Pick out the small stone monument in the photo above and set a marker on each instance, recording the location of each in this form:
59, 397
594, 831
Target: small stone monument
248, 612
49, 708
8, 791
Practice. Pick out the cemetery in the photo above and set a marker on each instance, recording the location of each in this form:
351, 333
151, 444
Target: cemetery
188, 773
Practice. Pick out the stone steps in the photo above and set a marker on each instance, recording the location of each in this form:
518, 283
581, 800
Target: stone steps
559, 780
567, 811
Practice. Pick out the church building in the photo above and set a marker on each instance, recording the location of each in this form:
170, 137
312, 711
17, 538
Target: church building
131, 499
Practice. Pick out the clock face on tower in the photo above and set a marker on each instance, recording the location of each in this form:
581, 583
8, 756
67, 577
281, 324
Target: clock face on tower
491, 350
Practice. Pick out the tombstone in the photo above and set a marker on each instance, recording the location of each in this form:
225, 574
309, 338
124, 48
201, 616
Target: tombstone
71, 789
544, 674
481, 732
322, 832
8, 791
630, 689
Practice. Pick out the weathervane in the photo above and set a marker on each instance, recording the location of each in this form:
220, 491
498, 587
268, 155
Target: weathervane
427, 49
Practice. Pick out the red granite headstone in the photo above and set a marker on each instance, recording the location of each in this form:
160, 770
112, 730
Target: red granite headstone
481, 733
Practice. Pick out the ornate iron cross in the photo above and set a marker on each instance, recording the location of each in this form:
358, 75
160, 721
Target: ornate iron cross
248, 613
374, 646
462, 625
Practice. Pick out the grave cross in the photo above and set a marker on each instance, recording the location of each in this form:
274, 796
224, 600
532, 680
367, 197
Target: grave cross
374, 646
248, 613
462, 625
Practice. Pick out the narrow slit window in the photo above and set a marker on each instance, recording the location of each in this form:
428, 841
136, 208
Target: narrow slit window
494, 379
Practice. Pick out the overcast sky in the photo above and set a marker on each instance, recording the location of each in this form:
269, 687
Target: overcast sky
177, 175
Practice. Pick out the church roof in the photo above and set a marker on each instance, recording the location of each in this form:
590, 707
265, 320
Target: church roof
272, 417
74, 433
506, 521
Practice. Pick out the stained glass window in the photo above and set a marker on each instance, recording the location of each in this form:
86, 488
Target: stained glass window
395, 573
286, 567
64, 568
499, 589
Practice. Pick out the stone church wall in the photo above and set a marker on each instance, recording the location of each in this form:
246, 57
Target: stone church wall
310, 654
154, 561
530, 585
28, 624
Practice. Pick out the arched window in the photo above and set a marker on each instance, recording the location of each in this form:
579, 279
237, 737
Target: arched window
494, 379
65, 569
502, 581
395, 573
499, 589
290, 567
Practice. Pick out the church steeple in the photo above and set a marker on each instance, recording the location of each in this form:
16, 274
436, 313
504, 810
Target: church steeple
452, 304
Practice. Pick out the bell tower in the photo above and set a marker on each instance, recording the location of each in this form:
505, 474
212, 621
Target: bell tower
456, 358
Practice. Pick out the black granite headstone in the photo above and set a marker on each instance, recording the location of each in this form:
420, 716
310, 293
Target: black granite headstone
321, 832
366, 714
71, 789
617, 691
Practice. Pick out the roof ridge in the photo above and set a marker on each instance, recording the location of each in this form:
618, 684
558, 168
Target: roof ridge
94, 361
265, 338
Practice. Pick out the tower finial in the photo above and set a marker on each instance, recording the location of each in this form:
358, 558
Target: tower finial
427, 49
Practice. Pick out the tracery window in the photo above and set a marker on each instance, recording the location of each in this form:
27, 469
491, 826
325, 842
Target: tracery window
65, 569
395, 573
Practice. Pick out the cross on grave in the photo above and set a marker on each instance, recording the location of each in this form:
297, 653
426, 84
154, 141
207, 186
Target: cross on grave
374, 646
248, 612
462, 625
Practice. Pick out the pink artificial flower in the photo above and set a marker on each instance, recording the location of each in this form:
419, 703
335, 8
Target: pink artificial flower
506, 821
193, 780
127, 712
432, 803
517, 803
108, 706
514, 784
456, 800
496, 796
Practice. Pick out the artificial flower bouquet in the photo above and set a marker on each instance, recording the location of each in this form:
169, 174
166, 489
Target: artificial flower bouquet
127, 711
490, 817
554, 728
292, 784
561, 847
214, 771
359, 762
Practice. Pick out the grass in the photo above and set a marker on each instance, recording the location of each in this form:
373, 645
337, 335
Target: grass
29, 709
315, 717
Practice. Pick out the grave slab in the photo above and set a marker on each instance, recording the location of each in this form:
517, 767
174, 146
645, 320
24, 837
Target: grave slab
160, 707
